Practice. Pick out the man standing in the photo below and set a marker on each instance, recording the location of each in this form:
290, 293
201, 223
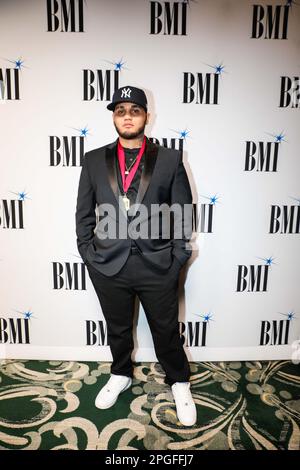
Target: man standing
144, 200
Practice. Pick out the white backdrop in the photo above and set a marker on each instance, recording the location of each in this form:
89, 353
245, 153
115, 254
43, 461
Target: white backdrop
223, 314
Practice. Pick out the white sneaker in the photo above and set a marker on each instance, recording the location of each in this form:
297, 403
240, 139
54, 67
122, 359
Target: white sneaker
185, 405
108, 395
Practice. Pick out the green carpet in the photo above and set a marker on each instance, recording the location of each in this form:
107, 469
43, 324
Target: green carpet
240, 405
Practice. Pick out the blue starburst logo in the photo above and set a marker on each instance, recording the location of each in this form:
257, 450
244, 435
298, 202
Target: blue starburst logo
182, 134
212, 199
290, 316
278, 137
269, 261
18, 63
27, 314
83, 132
219, 68
207, 317
21, 195
118, 65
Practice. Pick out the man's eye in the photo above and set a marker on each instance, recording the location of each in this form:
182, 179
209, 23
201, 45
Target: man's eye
120, 112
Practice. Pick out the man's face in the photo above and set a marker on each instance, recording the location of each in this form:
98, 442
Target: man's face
130, 120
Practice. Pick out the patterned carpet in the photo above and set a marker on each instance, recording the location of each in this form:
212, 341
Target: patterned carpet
241, 405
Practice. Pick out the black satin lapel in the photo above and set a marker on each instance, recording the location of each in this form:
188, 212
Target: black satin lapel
149, 164
110, 158
111, 169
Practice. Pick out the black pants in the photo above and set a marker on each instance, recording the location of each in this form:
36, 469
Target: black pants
158, 294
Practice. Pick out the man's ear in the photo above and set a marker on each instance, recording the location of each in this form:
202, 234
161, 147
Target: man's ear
148, 117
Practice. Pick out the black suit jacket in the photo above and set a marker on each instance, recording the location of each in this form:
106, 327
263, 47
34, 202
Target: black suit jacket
163, 182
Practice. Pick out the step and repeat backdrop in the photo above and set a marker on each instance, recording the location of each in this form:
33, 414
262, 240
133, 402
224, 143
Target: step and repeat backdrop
222, 80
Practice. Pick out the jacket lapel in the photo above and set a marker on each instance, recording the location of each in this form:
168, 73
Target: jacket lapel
110, 157
149, 164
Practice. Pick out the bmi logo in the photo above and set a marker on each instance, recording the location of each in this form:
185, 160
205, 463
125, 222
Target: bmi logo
68, 276
65, 16
12, 212
271, 21
14, 330
100, 84
289, 92
203, 218
202, 88
276, 332
10, 81
193, 334
168, 18
262, 156
285, 219
253, 278
96, 333
67, 151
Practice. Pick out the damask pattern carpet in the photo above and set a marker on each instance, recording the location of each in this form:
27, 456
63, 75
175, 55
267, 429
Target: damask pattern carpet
241, 406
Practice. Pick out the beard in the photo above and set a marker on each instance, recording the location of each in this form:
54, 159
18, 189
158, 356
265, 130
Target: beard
131, 135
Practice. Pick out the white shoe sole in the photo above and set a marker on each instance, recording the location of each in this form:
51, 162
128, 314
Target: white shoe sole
105, 407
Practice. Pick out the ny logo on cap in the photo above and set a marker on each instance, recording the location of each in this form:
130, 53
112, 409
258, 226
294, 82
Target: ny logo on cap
126, 93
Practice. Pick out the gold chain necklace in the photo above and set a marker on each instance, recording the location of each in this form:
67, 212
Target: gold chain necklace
128, 169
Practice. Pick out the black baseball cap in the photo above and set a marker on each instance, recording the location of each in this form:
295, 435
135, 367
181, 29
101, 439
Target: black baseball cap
128, 94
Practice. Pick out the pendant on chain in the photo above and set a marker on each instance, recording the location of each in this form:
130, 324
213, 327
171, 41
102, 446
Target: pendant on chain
126, 201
